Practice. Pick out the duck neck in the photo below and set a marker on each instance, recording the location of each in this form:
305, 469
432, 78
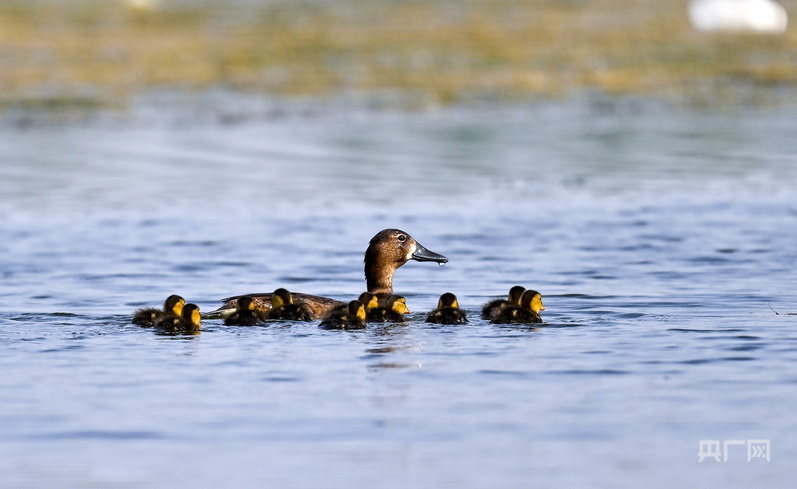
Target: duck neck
379, 279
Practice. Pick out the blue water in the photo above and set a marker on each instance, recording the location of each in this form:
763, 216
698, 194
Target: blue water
661, 238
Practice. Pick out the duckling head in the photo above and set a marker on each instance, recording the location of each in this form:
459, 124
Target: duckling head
532, 300
281, 297
174, 304
515, 293
357, 309
387, 251
398, 304
369, 300
246, 303
448, 300
191, 316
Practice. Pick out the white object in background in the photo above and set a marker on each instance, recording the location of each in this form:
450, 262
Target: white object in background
765, 16
142, 5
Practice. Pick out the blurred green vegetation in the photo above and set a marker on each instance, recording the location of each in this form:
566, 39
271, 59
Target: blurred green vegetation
103, 52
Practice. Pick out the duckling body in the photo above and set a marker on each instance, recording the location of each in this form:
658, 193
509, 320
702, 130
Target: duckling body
150, 316
448, 311
187, 322
527, 312
282, 307
393, 310
492, 308
246, 314
347, 316
388, 250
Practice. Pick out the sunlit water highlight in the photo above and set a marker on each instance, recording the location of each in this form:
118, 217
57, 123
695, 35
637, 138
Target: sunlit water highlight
662, 240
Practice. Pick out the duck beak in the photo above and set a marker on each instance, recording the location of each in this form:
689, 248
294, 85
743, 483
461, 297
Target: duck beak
422, 254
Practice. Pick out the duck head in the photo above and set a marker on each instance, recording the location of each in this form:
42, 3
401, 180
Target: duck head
369, 300
190, 316
397, 304
281, 297
357, 310
388, 250
532, 300
515, 293
448, 300
174, 304
245, 303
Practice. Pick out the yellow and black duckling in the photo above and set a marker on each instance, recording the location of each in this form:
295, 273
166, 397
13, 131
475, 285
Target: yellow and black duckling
492, 308
282, 307
448, 311
370, 301
347, 316
187, 322
527, 312
149, 316
387, 251
392, 311
246, 313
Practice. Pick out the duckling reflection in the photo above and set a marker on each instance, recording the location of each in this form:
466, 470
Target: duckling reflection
527, 312
282, 307
392, 312
492, 308
348, 316
150, 316
448, 311
246, 313
188, 322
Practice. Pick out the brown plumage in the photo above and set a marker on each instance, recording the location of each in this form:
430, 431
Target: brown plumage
387, 251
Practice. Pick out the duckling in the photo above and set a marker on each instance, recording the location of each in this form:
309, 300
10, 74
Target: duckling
149, 316
492, 308
282, 307
246, 313
350, 316
388, 250
527, 312
448, 311
370, 301
187, 322
392, 312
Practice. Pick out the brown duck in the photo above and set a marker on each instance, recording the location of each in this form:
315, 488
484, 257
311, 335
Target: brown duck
387, 251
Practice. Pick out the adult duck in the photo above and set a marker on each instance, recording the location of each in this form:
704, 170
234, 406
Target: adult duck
388, 250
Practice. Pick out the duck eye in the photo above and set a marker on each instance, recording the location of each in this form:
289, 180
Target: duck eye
402, 238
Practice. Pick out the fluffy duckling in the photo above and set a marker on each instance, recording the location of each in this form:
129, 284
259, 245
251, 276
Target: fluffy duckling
492, 308
187, 322
448, 311
246, 313
282, 307
388, 250
370, 301
150, 316
349, 316
392, 312
527, 312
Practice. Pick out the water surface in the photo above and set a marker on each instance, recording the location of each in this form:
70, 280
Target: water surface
662, 240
